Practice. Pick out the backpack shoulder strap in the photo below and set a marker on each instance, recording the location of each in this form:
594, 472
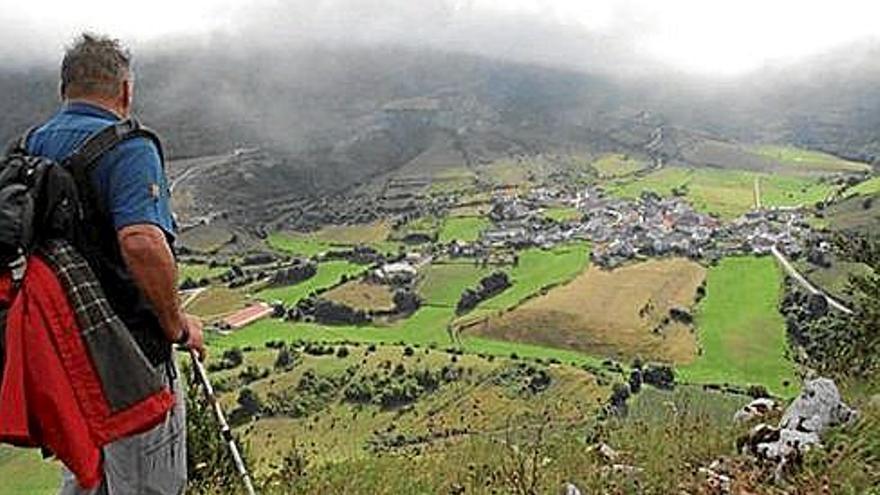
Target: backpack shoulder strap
20, 145
82, 161
88, 154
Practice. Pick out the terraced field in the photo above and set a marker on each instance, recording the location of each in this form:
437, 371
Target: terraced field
576, 315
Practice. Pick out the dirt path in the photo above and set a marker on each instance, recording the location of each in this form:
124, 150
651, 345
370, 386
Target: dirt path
758, 204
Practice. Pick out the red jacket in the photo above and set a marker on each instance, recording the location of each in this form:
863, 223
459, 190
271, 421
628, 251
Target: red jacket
51, 394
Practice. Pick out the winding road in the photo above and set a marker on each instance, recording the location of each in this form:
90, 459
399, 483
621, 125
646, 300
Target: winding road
792, 271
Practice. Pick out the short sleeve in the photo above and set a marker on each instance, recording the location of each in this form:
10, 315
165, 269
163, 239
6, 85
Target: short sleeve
136, 189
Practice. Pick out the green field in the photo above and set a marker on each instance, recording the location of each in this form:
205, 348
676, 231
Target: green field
442, 283
808, 160
616, 165
562, 213
463, 229
441, 288
333, 237
198, 271
870, 186
741, 332
728, 193
24, 473
329, 274
540, 269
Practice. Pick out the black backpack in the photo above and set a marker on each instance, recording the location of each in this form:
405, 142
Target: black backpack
41, 200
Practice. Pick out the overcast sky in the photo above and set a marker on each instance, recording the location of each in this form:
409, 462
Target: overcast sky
705, 37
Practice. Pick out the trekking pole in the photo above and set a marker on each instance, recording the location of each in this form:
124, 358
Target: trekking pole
225, 431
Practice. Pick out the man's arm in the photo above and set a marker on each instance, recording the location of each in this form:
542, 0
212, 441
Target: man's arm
152, 266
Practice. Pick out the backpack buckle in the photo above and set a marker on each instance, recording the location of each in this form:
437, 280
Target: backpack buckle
18, 267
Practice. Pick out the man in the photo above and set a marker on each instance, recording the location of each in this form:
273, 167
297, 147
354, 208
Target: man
133, 257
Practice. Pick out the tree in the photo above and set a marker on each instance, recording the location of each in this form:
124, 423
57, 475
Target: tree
249, 401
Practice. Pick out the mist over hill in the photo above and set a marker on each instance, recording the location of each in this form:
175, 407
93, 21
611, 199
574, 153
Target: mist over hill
331, 116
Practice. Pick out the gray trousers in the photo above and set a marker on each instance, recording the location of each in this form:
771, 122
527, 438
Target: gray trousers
150, 463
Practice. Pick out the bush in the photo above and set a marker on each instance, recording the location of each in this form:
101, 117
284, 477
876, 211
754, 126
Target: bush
285, 360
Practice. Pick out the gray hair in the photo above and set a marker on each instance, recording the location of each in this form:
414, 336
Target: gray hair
94, 65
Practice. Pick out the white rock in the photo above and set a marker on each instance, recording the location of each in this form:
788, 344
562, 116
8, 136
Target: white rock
818, 408
757, 409
571, 489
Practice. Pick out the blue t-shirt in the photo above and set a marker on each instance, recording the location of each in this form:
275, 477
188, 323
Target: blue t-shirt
129, 179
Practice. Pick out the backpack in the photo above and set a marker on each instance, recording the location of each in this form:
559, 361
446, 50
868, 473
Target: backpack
42, 200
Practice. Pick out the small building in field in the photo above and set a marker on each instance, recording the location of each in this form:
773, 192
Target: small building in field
246, 316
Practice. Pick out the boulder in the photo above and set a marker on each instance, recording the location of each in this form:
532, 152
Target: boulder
571, 489
757, 409
818, 408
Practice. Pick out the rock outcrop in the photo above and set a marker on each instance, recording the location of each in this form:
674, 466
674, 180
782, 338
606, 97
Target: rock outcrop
818, 408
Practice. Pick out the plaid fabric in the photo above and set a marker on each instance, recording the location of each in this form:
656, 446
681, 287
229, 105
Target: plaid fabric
127, 377
93, 311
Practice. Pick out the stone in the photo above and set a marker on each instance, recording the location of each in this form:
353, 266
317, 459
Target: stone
571, 489
715, 481
605, 451
757, 409
818, 408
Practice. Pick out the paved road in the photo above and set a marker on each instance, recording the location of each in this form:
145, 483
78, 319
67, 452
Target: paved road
800, 279
792, 271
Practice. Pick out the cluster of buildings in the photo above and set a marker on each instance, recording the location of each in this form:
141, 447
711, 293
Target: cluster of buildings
620, 229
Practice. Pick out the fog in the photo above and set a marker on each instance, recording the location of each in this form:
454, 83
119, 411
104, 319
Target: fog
623, 37
301, 74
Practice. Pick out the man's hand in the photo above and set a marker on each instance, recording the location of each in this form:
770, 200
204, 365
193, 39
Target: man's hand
196, 339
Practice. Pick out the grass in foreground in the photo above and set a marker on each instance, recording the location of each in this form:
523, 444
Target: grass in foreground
741, 332
23, 472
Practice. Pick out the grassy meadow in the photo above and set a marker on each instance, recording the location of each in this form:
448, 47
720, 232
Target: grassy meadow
329, 274
463, 228
727, 193
741, 332
800, 159
198, 271
867, 188
616, 165
24, 473
333, 237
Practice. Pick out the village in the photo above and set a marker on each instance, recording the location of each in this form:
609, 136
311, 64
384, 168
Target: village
619, 231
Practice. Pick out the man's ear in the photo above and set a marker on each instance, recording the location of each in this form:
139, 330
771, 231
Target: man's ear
126, 96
